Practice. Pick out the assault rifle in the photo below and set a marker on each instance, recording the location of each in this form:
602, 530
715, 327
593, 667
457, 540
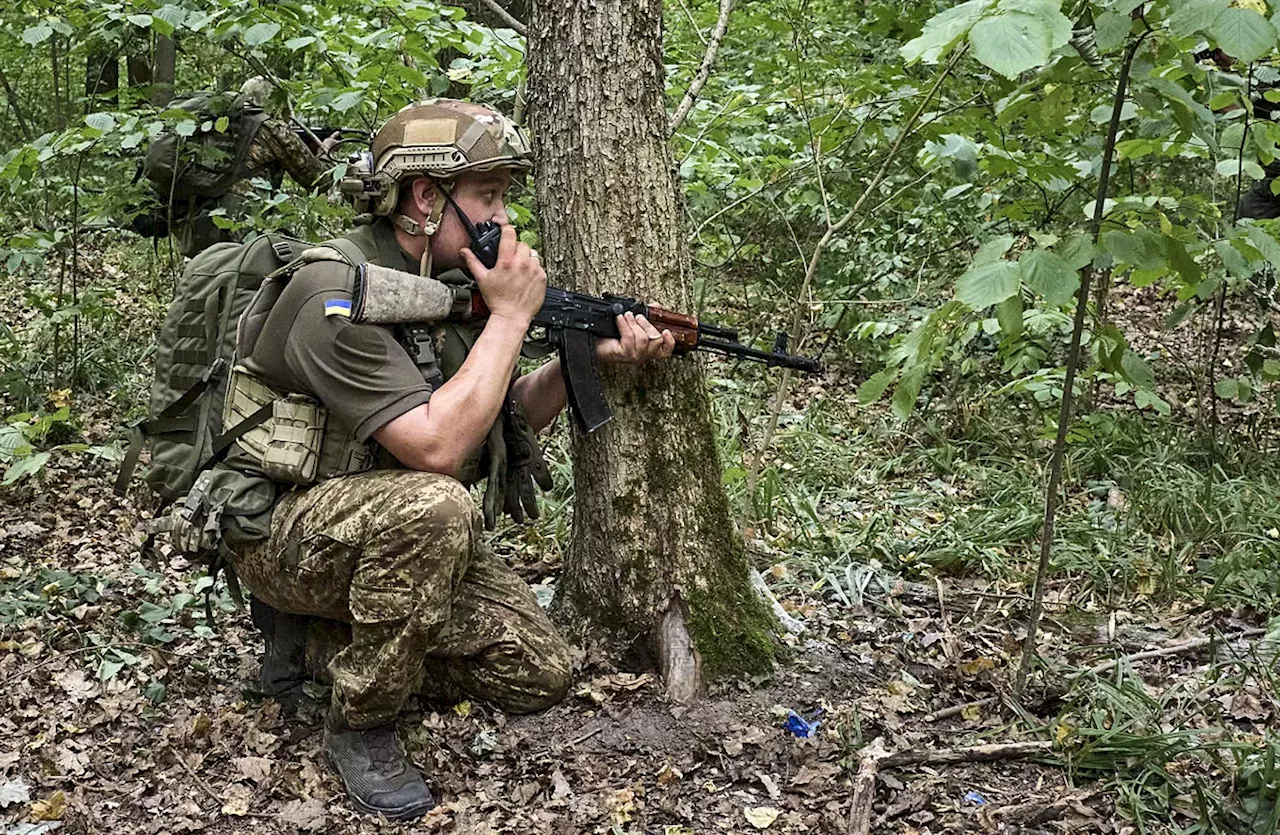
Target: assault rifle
574, 321
319, 133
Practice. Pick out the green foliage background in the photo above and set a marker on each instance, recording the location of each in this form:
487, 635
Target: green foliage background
944, 300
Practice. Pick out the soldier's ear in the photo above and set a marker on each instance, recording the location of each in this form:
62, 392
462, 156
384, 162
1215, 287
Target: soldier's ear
424, 195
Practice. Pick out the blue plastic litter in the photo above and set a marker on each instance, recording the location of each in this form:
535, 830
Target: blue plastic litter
798, 726
975, 798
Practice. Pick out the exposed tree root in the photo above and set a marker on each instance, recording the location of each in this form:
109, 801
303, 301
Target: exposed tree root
678, 658
875, 758
1178, 649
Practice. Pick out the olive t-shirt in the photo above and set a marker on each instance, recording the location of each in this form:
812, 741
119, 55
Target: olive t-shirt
359, 372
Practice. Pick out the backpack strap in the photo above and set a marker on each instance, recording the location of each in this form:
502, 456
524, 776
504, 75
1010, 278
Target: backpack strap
348, 249
167, 421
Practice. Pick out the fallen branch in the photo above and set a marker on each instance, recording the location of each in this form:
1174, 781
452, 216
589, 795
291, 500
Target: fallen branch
864, 786
874, 758
704, 71
956, 710
1177, 649
199, 781
974, 754
1037, 812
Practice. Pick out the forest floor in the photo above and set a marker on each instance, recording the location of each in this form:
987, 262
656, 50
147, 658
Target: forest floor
122, 710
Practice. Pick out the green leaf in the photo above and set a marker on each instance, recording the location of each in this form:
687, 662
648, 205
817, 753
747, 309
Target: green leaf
1181, 260
1009, 315
1048, 12
221, 124
1191, 16
1078, 251
26, 466
992, 250
1243, 34
904, 398
1142, 249
1111, 30
1232, 259
173, 15
1232, 167
109, 669
988, 284
1137, 370
100, 121
37, 34
1267, 245
347, 100
187, 127
298, 43
1011, 43
260, 33
1227, 388
1145, 399
942, 31
874, 387
142, 21
1050, 275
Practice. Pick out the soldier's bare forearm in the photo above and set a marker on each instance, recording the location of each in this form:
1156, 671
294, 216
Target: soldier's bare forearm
439, 436
542, 394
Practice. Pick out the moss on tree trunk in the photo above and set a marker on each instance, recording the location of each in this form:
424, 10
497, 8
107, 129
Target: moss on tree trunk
656, 570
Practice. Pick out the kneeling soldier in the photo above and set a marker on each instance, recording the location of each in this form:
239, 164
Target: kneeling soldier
377, 431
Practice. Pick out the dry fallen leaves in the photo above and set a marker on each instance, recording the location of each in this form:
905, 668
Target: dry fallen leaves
761, 817
308, 815
254, 769
51, 808
237, 799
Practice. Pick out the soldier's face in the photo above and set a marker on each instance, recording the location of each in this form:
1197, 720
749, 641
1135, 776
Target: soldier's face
481, 197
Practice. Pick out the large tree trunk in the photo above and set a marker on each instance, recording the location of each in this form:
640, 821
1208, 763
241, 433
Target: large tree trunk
101, 78
165, 70
655, 571
155, 67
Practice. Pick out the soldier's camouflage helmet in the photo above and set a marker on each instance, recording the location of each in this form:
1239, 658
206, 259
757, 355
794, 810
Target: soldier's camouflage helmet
440, 138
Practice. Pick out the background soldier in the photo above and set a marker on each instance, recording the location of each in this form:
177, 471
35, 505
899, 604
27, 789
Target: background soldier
194, 178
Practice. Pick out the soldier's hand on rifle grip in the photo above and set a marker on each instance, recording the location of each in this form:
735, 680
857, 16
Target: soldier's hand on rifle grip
516, 286
638, 342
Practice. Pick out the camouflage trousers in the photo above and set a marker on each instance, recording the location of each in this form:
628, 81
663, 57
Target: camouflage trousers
398, 556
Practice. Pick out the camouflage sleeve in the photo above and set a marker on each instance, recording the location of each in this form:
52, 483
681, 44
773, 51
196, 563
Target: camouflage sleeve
277, 143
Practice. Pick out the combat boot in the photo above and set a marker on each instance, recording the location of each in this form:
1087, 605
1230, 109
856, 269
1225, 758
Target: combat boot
378, 777
284, 656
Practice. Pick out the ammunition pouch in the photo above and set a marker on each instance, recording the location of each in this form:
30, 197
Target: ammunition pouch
301, 443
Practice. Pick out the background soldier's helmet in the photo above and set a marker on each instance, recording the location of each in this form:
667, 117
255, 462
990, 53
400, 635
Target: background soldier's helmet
440, 138
257, 90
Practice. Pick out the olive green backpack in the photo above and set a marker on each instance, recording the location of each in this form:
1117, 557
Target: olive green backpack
211, 160
193, 357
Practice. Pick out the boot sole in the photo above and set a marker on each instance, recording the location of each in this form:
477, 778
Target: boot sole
404, 813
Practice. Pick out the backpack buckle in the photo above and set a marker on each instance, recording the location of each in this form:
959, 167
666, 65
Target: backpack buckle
215, 371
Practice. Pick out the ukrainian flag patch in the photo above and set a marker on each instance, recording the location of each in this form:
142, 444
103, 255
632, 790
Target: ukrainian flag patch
338, 307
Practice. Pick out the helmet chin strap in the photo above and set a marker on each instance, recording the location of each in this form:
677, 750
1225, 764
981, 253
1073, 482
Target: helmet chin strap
425, 230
